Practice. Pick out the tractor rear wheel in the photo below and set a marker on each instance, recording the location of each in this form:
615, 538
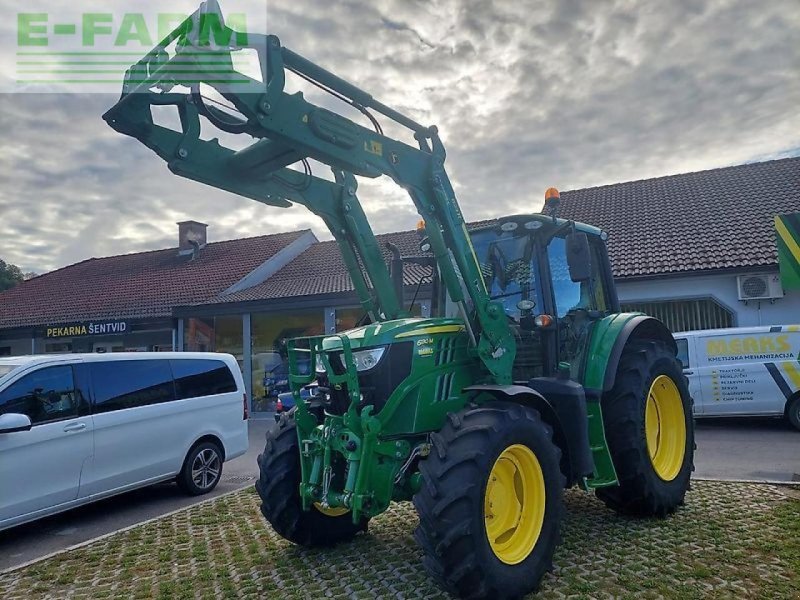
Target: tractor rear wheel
650, 432
490, 505
278, 486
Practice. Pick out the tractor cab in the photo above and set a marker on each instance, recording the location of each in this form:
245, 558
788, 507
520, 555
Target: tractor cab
553, 279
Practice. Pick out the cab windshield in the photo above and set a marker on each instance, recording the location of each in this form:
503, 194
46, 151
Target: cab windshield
510, 272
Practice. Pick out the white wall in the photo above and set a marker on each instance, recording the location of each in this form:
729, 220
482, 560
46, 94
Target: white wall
723, 288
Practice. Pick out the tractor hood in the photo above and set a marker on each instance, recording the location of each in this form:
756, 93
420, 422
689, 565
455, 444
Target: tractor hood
387, 332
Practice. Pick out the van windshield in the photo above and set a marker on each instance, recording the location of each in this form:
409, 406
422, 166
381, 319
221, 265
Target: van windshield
6, 369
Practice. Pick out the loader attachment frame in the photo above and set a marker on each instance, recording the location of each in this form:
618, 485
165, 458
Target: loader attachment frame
288, 129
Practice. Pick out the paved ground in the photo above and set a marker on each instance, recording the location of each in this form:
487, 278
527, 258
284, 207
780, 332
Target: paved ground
756, 449
766, 449
728, 541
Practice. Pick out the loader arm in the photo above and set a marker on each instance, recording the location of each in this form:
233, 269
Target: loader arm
288, 129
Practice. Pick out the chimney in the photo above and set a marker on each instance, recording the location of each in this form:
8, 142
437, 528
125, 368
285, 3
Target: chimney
191, 237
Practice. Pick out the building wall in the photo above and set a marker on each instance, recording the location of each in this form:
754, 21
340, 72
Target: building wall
722, 288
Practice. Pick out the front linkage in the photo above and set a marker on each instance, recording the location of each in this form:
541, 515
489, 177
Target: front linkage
344, 464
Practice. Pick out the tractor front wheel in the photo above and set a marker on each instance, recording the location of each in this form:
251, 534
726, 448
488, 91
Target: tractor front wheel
650, 432
490, 505
278, 486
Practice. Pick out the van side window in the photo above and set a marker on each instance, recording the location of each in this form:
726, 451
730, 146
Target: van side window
45, 395
120, 384
201, 378
683, 351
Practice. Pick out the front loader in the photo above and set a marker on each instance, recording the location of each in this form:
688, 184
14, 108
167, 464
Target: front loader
526, 381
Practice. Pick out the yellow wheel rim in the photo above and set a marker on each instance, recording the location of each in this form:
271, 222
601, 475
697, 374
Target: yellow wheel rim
665, 428
514, 503
331, 511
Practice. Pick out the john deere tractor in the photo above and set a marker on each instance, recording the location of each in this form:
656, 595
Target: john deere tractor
527, 380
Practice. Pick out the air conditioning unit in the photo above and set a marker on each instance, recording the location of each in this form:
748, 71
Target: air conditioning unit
761, 286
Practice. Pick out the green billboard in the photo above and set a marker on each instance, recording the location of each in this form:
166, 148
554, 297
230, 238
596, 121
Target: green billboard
787, 229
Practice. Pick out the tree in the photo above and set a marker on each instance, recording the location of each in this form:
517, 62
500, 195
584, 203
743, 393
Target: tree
10, 275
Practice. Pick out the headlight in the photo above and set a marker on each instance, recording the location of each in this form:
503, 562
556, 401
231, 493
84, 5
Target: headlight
365, 359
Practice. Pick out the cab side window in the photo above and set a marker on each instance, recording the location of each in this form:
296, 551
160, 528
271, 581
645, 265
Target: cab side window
45, 395
571, 295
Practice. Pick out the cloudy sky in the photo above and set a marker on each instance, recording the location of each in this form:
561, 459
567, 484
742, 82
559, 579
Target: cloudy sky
527, 94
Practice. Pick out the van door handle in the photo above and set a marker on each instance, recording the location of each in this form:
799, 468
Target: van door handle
75, 427
688, 372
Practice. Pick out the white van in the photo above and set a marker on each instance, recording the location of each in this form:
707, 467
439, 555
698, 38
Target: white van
748, 371
76, 428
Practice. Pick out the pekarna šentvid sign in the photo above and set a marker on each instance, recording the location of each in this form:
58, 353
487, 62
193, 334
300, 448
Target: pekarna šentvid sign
85, 329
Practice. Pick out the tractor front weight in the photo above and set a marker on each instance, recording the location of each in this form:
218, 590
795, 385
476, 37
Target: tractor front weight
344, 464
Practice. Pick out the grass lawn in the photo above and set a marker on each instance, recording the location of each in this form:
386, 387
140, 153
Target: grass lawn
729, 541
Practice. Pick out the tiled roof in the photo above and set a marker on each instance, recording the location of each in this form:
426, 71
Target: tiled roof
721, 218
141, 285
321, 270
717, 219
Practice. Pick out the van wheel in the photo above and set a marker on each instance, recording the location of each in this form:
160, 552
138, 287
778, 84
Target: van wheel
201, 470
793, 412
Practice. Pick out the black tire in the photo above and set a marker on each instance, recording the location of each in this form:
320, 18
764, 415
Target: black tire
641, 491
793, 412
201, 470
278, 486
452, 529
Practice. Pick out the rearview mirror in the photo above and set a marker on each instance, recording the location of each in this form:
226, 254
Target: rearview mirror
13, 422
579, 256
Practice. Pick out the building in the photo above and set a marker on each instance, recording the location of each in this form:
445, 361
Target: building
126, 302
243, 297
697, 250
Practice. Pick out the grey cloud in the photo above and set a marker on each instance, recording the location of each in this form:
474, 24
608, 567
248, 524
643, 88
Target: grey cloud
526, 95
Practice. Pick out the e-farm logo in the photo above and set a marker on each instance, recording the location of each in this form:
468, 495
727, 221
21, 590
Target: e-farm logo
91, 48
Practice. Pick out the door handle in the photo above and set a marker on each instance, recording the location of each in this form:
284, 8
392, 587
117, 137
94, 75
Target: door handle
688, 372
75, 427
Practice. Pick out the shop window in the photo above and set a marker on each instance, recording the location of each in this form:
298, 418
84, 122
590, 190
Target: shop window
215, 334
195, 378
352, 317
58, 348
349, 318
198, 335
45, 395
269, 332
16, 346
121, 384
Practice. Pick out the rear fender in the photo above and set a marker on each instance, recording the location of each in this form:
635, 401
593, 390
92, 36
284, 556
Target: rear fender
609, 338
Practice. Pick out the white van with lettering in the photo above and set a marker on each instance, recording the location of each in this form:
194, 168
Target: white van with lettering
747, 371
75, 428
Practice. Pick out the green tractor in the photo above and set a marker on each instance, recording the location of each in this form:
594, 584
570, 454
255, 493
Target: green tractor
527, 381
